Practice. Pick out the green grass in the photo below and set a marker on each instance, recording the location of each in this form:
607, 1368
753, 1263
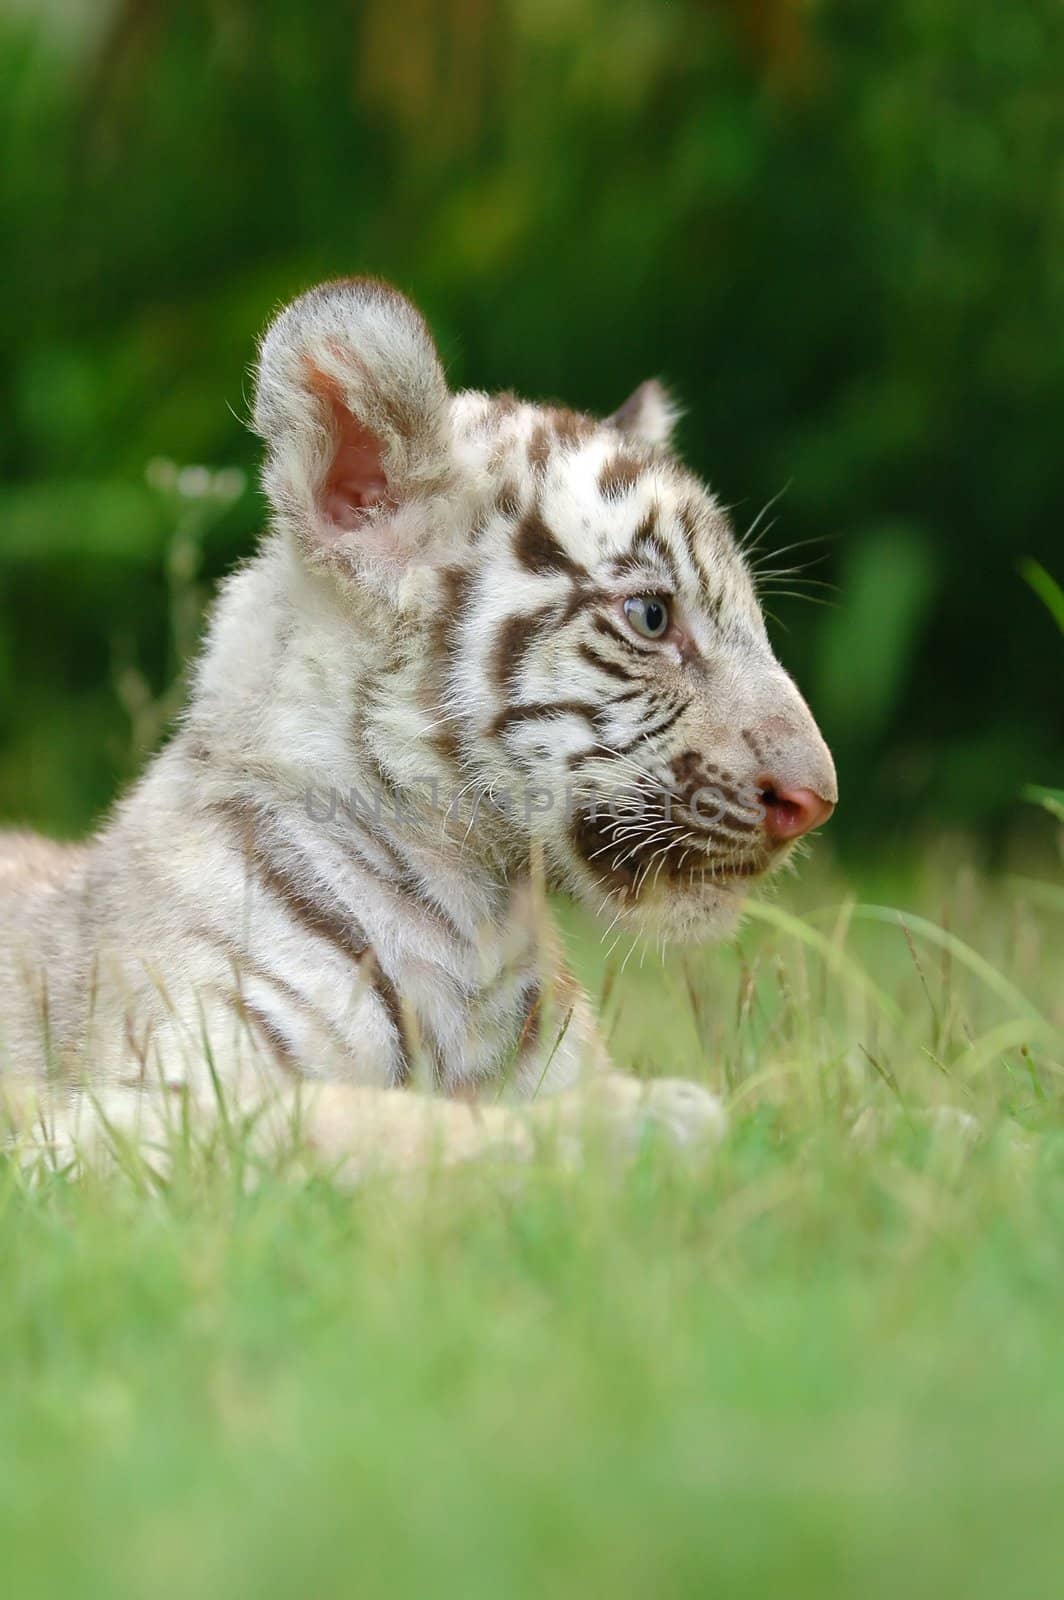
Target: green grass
818, 1363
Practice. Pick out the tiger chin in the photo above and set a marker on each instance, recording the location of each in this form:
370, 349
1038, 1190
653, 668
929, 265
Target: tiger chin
484, 645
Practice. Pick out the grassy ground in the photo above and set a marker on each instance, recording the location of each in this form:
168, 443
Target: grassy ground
827, 1361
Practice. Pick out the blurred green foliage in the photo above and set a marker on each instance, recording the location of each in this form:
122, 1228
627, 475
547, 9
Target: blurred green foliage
837, 229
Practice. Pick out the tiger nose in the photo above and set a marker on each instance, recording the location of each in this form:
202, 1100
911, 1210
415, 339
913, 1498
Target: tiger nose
791, 812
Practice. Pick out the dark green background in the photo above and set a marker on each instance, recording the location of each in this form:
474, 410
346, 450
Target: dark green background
837, 229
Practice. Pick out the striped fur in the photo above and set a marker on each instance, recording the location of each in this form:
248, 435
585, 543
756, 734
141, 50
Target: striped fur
437, 613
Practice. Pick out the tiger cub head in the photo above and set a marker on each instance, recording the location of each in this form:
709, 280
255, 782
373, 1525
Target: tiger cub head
545, 609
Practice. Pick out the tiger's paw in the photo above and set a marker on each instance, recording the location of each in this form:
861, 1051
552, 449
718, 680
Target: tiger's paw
628, 1112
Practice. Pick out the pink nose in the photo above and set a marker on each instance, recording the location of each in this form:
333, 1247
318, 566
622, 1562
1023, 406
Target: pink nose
791, 812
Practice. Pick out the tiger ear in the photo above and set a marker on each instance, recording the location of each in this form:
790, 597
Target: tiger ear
352, 403
648, 416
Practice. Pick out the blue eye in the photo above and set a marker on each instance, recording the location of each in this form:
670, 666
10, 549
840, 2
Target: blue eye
648, 615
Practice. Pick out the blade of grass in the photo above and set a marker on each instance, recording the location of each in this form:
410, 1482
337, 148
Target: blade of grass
1045, 587
838, 960
1009, 1035
994, 980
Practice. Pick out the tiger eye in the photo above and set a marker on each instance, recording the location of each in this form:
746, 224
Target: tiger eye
648, 615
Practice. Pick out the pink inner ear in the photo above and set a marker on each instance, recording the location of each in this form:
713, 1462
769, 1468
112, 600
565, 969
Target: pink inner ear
355, 480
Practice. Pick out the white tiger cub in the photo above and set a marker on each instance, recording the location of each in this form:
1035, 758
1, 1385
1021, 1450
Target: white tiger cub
484, 645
